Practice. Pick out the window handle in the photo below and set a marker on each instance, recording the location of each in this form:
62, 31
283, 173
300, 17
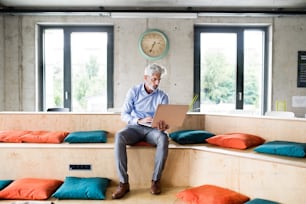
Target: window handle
239, 95
66, 95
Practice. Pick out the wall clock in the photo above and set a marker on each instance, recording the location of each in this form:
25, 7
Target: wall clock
153, 44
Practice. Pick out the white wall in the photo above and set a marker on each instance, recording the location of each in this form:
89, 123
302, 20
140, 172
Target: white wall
20, 66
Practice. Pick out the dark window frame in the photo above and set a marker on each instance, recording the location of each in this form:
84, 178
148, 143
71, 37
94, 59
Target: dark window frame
68, 29
198, 29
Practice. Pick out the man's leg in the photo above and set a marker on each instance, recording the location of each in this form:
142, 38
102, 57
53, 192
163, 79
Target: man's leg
160, 139
127, 136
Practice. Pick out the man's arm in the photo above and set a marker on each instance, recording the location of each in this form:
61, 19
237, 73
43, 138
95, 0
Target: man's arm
128, 108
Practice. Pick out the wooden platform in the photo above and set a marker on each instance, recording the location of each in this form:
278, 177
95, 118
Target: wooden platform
256, 175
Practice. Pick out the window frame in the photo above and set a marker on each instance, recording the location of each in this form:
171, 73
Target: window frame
198, 29
68, 29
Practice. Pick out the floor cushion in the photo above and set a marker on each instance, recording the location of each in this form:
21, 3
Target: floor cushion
30, 189
43, 136
211, 194
92, 188
283, 148
261, 201
92, 136
236, 140
190, 136
4, 183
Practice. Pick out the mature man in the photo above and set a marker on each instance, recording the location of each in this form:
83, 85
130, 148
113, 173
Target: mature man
139, 107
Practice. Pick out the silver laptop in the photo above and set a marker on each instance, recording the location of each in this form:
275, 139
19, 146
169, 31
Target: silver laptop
173, 115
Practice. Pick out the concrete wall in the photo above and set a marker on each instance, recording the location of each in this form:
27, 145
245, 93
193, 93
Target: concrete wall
288, 38
20, 65
1, 64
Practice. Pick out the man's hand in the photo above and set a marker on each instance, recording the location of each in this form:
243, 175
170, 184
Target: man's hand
162, 126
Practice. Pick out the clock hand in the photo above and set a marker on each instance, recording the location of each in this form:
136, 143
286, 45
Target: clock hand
152, 46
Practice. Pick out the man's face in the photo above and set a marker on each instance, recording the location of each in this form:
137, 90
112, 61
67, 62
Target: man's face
153, 81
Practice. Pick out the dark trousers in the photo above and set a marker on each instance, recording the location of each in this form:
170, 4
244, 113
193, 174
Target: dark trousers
133, 134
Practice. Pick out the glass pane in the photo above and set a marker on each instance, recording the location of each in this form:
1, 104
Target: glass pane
253, 69
53, 61
218, 71
89, 71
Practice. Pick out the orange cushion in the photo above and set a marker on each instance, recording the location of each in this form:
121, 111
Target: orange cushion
30, 189
210, 194
143, 143
236, 140
12, 135
18, 136
44, 137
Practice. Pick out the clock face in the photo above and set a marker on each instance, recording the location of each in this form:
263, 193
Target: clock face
153, 44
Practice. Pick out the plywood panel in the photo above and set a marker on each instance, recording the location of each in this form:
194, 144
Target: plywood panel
54, 163
77, 122
282, 183
254, 178
269, 128
61, 121
211, 168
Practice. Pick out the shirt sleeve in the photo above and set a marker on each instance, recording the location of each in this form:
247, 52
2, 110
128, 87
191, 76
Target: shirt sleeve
138, 104
165, 99
127, 108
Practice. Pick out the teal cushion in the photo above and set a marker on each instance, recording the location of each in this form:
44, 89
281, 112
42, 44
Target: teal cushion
93, 136
190, 136
284, 148
4, 183
261, 201
93, 188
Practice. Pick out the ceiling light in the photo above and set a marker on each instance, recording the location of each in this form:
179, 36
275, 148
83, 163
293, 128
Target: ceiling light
153, 15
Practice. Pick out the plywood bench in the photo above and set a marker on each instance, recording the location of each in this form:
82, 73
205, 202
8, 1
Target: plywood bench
254, 174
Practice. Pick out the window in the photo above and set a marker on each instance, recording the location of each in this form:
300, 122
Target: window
76, 68
230, 69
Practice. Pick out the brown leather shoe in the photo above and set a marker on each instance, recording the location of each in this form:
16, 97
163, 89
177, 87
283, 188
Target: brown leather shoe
155, 187
121, 190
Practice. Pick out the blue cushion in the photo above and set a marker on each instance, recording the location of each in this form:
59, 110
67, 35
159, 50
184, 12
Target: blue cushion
93, 188
94, 136
4, 183
284, 148
261, 201
190, 136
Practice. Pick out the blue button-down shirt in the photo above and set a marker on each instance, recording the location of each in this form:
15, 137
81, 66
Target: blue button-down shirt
139, 104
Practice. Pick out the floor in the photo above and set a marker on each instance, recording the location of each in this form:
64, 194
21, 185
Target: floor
135, 196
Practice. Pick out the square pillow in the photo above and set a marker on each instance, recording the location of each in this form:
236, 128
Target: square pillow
94, 136
93, 188
261, 201
190, 136
12, 136
236, 140
4, 183
283, 148
210, 194
30, 189
43, 136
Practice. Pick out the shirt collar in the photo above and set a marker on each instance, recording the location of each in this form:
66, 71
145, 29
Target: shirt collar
144, 90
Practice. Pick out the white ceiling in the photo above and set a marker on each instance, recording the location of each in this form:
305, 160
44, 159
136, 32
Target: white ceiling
140, 5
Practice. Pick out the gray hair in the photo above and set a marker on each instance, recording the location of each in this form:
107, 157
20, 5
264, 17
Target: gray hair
154, 68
